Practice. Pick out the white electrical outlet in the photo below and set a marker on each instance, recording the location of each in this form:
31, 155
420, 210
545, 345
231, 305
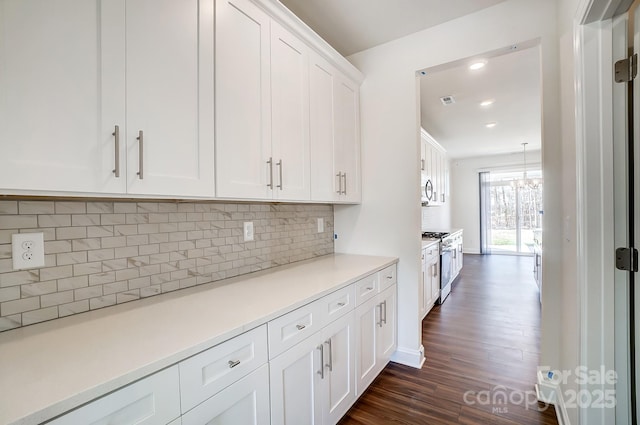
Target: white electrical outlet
320, 225
27, 250
248, 231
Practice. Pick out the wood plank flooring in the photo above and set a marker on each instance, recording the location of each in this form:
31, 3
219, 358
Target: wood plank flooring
483, 342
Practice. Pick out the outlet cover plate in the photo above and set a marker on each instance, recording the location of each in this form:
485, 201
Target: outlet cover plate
320, 225
248, 231
27, 250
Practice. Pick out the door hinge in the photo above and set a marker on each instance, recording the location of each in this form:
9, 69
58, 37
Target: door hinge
627, 259
626, 69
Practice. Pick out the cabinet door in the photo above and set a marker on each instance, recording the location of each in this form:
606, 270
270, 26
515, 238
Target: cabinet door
169, 49
295, 384
435, 174
324, 183
387, 332
245, 402
289, 115
61, 95
367, 322
339, 391
347, 137
435, 279
243, 101
150, 401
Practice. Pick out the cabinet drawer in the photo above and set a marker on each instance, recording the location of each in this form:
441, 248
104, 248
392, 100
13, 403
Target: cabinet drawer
337, 304
293, 327
387, 277
366, 288
245, 402
150, 401
205, 374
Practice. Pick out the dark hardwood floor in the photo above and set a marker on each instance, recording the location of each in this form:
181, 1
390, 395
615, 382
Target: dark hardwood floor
481, 348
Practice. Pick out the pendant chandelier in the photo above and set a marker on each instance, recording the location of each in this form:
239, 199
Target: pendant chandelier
526, 182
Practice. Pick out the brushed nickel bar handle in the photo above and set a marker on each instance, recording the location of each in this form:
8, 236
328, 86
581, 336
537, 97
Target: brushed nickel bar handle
422, 164
321, 371
443, 197
330, 364
233, 363
300, 327
385, 311
279, 164
116, 135
435, 270
344, 192
270, 163
380, 322
140, 139
339, 176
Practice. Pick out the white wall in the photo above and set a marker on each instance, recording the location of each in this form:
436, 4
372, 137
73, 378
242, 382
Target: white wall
388, 221
465, 190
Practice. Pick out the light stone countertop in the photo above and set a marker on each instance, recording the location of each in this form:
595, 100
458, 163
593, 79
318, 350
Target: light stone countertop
52, 367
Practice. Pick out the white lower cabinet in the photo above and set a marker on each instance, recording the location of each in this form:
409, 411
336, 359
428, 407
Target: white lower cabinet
209, 372
154, 400
246, 402
376, 336
313, 382
430, 288
274, 374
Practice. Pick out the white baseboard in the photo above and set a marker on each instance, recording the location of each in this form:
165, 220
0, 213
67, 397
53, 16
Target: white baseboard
471, 251
409, 357
561, 409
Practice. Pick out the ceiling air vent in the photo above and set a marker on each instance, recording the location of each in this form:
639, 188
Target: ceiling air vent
447, 100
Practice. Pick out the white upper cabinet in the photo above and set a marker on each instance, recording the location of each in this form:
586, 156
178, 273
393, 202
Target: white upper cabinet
433, 164
324, 179
243, 101
335, 134
81, 79
169, 74
289, 115
262, 89
61, 94
347, 138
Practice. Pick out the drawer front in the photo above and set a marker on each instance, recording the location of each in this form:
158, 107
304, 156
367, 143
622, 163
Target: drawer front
338, 303
388, 277
366, 288
245, 402
293, 327
205, 374
150, 401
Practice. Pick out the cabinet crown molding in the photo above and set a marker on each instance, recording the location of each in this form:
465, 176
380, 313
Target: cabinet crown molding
289, 20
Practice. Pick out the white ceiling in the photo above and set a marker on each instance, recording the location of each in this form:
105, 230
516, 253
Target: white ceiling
351, 26
512, 79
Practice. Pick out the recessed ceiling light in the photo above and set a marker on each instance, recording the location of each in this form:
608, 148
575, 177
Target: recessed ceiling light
487, 102
477, 65
491, 124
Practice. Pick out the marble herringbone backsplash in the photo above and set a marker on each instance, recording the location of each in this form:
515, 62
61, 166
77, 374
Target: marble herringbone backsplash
99, 254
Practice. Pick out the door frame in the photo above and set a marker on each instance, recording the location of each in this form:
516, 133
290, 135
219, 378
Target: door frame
593, 73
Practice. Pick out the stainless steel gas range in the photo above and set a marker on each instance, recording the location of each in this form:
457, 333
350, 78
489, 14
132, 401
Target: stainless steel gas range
446, 252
